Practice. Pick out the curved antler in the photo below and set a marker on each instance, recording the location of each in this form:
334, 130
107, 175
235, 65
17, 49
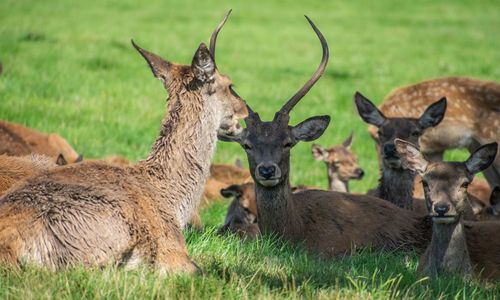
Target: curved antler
213, 38
309, 84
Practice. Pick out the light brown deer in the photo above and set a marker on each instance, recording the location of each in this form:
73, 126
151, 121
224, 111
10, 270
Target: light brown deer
15, 169
341, 164
472, 117
94, 213
241, 217
18, 140
325, 222
457, 246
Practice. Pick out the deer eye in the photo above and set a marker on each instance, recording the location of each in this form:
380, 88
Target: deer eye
415, 133
465, 185
247, 146
288, 144
425, 184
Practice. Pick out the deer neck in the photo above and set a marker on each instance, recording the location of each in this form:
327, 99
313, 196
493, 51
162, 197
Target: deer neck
334, 182
275, 211
448, 249
179, 162
396, 186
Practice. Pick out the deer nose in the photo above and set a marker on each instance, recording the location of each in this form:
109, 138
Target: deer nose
267, 171
390, 150
441, 208
360, 173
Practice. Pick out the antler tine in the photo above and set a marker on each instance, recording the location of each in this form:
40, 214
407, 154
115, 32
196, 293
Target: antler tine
213, 38
309, 84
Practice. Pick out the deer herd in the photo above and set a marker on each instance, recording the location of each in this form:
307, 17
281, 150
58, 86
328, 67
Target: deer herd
59, 210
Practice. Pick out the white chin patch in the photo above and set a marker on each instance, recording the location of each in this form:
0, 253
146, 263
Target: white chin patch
444, 220
269, 183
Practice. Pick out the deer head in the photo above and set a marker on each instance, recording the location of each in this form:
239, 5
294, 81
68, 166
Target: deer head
389, 129
268, 144
245, 195
445, 183
340, 160
200, 80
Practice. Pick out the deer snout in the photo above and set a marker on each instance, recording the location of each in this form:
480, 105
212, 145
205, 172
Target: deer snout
441, 208
359, 173
267, 172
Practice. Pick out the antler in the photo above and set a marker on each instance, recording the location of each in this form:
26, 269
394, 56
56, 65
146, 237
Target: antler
213, 38
309, 84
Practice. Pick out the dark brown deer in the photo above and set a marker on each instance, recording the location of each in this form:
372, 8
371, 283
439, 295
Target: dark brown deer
491, 212
241, 217
341, 164
327, 223
95, 213
457, 246
396, 183
472, 117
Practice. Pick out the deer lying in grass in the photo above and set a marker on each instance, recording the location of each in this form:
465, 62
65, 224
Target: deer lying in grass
325, 222
15, 169
341, 164
396, 183
94, 213
457, 246
221, 176
472, 117
18, 140
241, 217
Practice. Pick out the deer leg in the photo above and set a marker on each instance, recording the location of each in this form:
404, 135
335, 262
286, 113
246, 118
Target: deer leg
172, 256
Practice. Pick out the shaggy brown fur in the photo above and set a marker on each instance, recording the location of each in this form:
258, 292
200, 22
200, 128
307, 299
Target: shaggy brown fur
14, 169
341, 164
472, 117
17, 140
457, 246
95, 213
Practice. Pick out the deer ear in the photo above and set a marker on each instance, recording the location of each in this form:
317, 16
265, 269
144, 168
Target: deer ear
61, 161
348, 142
434, 114
203, 65
481, 158
411, 157
318, 152
311, 129
159, 66
495, 197
231, 191
368, 111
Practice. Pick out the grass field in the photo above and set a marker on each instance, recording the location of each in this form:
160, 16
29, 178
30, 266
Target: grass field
68, 67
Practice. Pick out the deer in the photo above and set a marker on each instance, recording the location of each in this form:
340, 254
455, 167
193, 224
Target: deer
472, 117
241, 217
15, 169
341, 164
324, 222
457, 246
96, 214
491, 212
221, 176
18, 140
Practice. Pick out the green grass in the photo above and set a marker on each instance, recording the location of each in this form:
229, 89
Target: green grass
69, 68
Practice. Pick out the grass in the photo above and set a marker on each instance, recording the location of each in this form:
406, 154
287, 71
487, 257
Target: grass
69, 68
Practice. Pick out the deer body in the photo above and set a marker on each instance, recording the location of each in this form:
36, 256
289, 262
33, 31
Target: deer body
96, 213
457, 246
472, 117
17, 140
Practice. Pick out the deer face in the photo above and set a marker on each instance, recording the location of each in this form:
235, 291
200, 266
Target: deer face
340, 160
389, 129
245, 195
201, 81
445, 183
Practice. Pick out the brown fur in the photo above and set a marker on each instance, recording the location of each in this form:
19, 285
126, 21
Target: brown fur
96, 213
14, 169
457, 247
18, 140
472, 117
341, 164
